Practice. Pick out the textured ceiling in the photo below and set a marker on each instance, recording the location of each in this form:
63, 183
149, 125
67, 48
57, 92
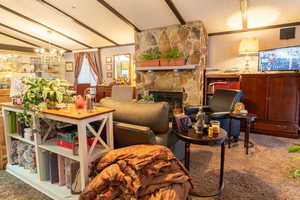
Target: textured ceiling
217, 15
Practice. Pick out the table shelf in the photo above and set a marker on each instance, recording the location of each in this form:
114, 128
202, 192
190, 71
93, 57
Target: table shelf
17, 137
52, 190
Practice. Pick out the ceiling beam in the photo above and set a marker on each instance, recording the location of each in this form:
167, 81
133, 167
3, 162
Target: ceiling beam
16, 48
41, 24
244, 13
13, 37
256, 29
118, 14
175, 11
78, 22
32, 36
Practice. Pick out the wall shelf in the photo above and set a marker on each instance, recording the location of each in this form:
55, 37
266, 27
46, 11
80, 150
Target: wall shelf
165, 68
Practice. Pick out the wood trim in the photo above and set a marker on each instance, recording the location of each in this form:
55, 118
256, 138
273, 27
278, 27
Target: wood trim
79, 22
244, 13
118, 14
256, 29
120, 45
175, 11
41, 24
16, 48
32, 36
13, 37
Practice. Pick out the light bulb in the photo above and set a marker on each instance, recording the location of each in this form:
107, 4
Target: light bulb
62, 51
53, 51
36, 50
42, 50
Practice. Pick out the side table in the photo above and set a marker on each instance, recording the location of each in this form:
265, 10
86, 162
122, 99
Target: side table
248, 118
202, 139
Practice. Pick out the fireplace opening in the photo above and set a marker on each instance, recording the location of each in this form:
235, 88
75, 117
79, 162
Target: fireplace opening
174, 99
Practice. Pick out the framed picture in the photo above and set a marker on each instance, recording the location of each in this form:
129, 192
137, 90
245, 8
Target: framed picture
69, 66
108, 67
108, 60
109, 74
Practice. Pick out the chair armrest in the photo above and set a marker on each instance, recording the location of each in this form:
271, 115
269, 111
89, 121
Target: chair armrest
205, 108
219, 115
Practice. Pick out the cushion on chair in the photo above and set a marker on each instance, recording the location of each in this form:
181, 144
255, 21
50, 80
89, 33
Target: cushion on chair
152, 115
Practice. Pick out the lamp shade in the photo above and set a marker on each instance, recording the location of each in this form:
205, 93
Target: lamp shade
249, 46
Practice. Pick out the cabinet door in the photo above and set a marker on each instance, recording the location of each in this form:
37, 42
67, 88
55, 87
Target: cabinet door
283, 97
255, 93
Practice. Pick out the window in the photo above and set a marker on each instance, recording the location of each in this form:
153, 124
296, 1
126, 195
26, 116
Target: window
87, 75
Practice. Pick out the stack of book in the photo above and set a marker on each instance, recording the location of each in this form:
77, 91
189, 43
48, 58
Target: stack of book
61, 170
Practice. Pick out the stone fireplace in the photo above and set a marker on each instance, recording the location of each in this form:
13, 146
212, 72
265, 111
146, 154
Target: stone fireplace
191, 39
175, 99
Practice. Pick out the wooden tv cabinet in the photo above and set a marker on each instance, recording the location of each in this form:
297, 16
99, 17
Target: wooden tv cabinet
274, 98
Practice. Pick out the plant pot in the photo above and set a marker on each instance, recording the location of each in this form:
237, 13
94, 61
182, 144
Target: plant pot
147, 63
177, 62
164, 62
51, 105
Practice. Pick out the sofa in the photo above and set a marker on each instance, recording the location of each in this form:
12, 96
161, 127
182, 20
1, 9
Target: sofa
143, 123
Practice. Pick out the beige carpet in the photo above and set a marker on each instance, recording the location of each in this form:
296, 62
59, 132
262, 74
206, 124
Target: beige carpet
262, 175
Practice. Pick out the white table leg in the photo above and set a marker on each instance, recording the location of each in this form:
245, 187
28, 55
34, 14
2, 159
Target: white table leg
109, 131
83, 154
7, 138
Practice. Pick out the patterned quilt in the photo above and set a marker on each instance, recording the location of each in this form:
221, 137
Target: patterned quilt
144, 172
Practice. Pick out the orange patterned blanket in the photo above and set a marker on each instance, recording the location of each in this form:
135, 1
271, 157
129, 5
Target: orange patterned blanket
144, 172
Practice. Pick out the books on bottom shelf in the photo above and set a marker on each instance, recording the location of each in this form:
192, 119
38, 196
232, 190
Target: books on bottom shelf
59, 169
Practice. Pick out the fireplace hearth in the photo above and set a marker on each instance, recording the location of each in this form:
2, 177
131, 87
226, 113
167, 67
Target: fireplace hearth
174, 99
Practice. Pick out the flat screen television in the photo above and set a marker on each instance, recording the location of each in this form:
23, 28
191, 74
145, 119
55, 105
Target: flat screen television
281, 59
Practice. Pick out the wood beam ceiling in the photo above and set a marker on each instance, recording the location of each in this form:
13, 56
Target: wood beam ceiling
16, 48
175, 11
43, 25
78, 22
21, 40
32, 36
118, 14
244, 13
256, 29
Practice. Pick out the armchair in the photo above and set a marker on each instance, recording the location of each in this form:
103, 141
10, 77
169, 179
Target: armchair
221, 104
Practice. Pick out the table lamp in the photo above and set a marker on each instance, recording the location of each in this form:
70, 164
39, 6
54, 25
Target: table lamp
248, 47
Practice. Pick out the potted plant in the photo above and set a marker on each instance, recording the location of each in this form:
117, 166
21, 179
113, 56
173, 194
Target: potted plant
296, 170
172, 57
149, 58
54, 92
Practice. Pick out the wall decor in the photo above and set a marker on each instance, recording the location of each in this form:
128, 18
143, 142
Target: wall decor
108, 60
109, 67
109, 74
69, 66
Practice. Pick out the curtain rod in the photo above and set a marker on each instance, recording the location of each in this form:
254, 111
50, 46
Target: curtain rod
84, 50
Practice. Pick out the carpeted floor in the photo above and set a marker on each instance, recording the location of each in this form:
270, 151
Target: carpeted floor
264, 174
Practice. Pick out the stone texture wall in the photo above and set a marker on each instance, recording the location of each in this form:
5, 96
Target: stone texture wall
190, 39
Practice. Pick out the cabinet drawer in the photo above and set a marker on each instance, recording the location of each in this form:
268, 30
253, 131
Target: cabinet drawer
276, 127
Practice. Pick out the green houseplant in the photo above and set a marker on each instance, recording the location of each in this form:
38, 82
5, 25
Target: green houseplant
40, 91
149, 57
173, 57
294, 149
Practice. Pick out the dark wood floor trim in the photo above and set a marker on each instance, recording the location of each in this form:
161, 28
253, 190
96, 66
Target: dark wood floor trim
16, 48
32, 36
41, 24
175, 11
256, 29
79, 22
24, 41
118, 14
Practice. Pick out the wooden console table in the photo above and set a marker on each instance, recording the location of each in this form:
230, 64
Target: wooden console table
80, 118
